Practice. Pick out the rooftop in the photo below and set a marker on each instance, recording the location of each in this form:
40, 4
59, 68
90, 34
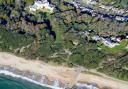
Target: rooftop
43, 5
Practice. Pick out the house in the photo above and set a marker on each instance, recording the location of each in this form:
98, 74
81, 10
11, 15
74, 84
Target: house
43, 5
116, 39
84, 33
106, 7
108, 43
96, 38
93, 2
113, 39
120, 18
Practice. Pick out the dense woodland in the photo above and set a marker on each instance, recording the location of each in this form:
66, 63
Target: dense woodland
54, 37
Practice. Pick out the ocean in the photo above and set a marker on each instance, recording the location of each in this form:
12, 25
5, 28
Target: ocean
8, 82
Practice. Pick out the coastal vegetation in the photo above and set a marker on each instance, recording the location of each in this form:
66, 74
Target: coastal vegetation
56, 37
117, 3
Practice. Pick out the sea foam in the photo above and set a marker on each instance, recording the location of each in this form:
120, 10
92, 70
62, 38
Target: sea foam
8, 73
83, 85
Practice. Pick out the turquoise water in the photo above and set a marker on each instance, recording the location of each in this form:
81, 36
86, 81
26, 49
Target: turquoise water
7, 82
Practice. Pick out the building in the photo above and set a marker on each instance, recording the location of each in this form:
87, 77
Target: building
120, 18
109, 43
42, 5
96, 38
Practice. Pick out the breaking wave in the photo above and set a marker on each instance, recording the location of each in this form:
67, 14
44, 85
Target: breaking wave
8, 73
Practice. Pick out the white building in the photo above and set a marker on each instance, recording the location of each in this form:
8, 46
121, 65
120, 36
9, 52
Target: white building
109, 43
43, 5
106, 42
96, 38
93, 2
120, 18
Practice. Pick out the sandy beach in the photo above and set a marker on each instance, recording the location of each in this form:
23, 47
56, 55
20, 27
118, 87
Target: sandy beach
63, 74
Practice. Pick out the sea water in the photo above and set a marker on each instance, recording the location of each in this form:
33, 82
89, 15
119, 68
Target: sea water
9, 80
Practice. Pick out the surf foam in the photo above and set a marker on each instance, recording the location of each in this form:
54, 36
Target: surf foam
8, 73
83, 85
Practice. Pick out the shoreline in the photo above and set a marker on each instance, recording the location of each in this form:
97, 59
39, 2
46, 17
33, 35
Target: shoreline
7, 73
36, 78
63, 75
29, 76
